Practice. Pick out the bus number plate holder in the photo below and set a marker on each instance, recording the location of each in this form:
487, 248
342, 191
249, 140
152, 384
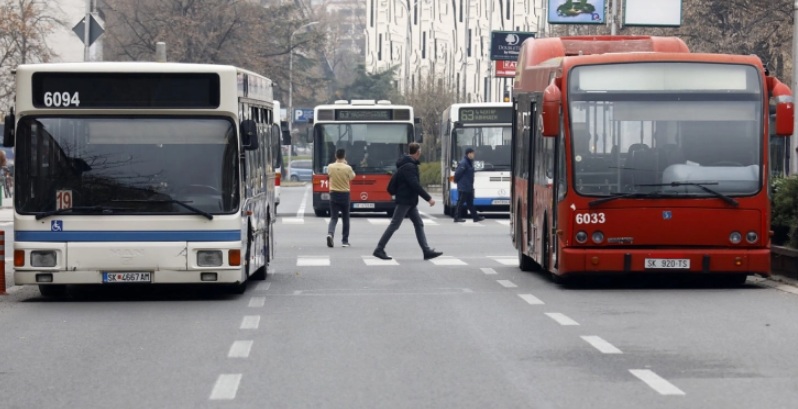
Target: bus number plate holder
667, 263
127, 277
364, 205
500, 202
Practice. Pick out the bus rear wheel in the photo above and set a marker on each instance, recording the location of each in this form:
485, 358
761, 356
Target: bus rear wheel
525, 263
320, 212
52, 290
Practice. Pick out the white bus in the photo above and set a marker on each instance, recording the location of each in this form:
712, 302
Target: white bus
141, 173
487, 128
279, 132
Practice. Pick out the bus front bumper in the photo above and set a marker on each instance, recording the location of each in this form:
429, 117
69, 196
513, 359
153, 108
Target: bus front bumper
667, 261
157, 277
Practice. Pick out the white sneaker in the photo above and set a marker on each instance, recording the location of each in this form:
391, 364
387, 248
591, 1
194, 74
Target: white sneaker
345, 244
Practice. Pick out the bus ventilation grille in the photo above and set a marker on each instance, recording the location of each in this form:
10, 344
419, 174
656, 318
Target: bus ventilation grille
364, 182
499, 179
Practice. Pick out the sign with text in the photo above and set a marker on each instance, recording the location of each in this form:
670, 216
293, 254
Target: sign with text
653, 13
303, 115
577, 12
363, 114
505, 69
505, 45
486, 115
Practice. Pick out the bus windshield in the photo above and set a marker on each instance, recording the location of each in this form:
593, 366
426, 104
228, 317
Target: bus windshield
492, 146
127, 165
655, 128
370, 148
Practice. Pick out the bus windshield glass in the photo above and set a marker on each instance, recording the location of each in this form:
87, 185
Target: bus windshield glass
127, 165
492, 146
370, 148
669, 129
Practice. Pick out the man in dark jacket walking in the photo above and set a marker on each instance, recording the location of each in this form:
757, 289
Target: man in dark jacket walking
408, 189
464, 177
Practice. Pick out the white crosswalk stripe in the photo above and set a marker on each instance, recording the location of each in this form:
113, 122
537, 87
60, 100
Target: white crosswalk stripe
313, 261
374, 261
505, 260
448, 261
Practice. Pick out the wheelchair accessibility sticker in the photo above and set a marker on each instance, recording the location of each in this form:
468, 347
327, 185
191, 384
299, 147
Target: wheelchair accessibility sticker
57, 225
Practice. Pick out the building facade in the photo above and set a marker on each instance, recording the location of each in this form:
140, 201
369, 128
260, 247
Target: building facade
445, 40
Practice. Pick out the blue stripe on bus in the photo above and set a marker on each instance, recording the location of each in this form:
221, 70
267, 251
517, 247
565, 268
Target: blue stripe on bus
128, 235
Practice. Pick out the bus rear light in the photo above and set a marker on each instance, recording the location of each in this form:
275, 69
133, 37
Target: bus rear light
19, 258
738, 261
751, 237
209, 258
581, 237
598, 237
277, 178
42, 258
735, 237
234, 257
594, 261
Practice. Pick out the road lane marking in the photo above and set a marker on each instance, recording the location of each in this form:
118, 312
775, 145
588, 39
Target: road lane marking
448, 261
506, 261
263, 286
503, 222
293, 220
250, 322
561, 319
240, 349
310, 261
226, 387
379, 221
531, 299
507, 283
656, 382
488, 271
603, 346
256, 302
374, 261
301, 212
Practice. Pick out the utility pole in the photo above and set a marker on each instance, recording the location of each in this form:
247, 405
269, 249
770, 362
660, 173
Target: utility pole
613, 16
87, 32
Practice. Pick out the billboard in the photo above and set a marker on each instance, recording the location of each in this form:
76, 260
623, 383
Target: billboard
505, 45
653, 13
576, 11
505, 69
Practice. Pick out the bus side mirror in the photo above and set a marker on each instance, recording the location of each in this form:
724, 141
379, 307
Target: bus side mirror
249, 135
785, 118
286, 135
8, 131
418, 131
552, 97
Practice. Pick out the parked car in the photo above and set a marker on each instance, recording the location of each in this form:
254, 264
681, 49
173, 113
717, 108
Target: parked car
300, 170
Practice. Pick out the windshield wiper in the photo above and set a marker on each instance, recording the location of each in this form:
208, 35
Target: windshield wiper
702, 186
634, 195
177, 202
103, 209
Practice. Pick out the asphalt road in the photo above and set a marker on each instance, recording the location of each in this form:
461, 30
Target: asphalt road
333, 328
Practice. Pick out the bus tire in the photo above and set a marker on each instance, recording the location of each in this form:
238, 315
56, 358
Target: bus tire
731, 280
259, 274
52, 290
389, 212
525, 263
447, 210
319, 212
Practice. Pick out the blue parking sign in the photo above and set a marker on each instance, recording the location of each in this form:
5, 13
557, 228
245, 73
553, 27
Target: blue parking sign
303, 115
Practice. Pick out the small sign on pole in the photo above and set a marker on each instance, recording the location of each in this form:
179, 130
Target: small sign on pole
505, 45
505, 69
95, 30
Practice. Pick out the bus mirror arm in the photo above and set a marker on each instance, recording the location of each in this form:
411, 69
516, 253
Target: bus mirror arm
418, 130
550, 115
785, 108
8, 130
249, 135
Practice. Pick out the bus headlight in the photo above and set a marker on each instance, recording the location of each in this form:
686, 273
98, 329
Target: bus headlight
735, 237
598, 237
751, 237
209, 258
42, 258
581, 237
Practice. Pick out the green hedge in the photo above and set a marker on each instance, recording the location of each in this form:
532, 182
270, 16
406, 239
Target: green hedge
430, 173
784, 211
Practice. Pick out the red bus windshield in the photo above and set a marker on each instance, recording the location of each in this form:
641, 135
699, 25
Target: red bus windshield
371, 148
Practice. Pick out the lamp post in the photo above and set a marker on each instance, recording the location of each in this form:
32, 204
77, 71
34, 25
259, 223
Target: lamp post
291, 85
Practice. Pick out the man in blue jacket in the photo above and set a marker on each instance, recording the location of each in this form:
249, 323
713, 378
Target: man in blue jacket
464, 177
408, 189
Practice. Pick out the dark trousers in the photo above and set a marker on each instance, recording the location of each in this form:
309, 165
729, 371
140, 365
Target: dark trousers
465, 199
339, 202
398, 216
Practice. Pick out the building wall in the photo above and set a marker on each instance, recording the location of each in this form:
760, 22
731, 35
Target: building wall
447, 39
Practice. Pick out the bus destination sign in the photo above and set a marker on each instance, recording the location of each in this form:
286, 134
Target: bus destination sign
486, 115
364, 114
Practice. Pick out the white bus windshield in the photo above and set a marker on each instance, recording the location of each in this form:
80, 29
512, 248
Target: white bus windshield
370, 148
127, 165
492, 146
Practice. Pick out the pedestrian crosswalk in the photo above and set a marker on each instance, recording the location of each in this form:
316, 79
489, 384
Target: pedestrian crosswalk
384, 221
327, 261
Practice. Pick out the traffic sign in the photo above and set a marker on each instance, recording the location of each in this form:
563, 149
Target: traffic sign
505, 45
302, 115
95, 29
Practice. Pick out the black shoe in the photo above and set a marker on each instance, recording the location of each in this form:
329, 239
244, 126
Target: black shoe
381, 255
479, 219
329, 240
431, 254
459, 220
345, 244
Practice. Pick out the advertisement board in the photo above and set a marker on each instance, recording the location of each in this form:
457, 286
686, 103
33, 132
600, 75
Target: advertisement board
505, 69
576, 11
505, 45
652, 13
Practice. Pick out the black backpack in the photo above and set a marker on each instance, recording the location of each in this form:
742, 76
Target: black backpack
393, 184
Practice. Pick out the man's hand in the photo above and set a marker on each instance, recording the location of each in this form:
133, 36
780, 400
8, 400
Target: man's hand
431, 202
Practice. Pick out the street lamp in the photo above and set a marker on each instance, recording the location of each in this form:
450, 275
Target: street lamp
291, 82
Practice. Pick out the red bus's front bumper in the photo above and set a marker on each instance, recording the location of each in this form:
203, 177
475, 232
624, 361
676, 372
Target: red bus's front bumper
706, 261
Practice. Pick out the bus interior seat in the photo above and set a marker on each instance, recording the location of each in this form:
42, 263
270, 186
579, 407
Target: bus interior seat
640, 165
356, 153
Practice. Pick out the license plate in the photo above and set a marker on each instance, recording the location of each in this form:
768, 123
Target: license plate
364, 205
500, 202
668, 263
127, 277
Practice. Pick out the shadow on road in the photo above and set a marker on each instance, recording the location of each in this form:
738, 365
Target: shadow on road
143, 292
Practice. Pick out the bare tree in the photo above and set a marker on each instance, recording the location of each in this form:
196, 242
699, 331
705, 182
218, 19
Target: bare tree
24, 25
429, 99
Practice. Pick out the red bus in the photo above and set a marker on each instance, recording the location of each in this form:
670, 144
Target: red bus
375, 134
633, 155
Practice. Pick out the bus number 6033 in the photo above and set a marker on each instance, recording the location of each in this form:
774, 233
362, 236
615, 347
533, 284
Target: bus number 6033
591, 218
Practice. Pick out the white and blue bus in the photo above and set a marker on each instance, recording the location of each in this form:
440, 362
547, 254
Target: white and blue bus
141, 173
487, 128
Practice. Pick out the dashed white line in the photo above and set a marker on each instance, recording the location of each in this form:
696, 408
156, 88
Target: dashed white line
506, 261
301, 212
507, 283
226, 387
250, 322
488, 271
379, 221
256, 302
656, 382
599, 343
264, 286
240, 349
531, 299
504, 222
293, 220
561, 319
